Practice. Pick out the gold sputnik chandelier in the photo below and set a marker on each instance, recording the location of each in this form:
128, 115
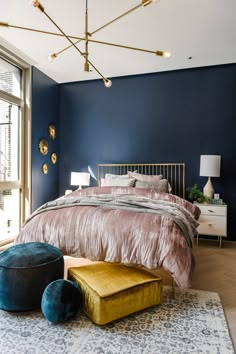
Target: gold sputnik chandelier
74, 40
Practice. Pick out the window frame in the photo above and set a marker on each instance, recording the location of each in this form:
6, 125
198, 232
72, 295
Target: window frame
24, 104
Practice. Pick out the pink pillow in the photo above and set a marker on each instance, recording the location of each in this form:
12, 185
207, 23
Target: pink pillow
145, 178
161, 186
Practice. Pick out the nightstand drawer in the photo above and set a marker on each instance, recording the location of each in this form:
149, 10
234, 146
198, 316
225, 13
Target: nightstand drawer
212, 225
213, 209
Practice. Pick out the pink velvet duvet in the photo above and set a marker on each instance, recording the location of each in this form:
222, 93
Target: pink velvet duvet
132, 229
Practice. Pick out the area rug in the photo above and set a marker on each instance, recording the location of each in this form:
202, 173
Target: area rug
193, 322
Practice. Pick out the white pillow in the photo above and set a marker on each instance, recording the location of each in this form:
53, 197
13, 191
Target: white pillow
111, 180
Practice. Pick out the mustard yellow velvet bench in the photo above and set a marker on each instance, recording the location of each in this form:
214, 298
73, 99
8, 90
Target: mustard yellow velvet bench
111, 291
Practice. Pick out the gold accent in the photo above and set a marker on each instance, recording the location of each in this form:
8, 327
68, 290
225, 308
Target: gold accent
43, 146
87, 34
166, 55
105, 25
4, 24
38, 5
79, 39
86, 67
52, 131
146, 2
53, 158
119, 290
160, 53
52, 56
45, 168
68, 38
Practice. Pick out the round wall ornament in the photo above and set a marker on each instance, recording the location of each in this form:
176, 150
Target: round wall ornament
53, 157
45, 168
43, 146
52, 131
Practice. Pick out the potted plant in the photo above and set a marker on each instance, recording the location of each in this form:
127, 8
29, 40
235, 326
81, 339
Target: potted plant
195, 195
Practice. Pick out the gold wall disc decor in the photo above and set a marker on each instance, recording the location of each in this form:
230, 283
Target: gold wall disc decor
53, 157
45, 168
52, 131
43, 146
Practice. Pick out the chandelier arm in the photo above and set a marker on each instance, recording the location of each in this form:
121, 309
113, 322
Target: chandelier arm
93, 66
79, 39
126, 47
117, 18
65, 35
143, 3
106, 24
86, 34
7, 25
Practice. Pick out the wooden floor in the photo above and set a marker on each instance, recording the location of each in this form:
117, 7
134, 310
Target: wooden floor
215, 271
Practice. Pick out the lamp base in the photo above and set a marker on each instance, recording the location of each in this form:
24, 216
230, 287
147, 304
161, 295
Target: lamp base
208, 190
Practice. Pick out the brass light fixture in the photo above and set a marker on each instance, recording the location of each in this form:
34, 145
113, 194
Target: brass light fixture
74, 40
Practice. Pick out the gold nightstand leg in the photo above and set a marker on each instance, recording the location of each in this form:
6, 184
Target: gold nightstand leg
220, 241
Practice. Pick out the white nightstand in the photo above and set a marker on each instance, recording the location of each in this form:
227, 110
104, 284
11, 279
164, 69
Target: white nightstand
213, 220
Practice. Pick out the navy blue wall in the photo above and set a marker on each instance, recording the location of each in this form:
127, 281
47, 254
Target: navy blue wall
164, 117
45, 110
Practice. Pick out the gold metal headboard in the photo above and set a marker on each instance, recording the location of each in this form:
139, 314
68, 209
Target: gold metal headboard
174, 172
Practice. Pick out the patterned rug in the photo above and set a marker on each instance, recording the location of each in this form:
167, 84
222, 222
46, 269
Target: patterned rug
192, 323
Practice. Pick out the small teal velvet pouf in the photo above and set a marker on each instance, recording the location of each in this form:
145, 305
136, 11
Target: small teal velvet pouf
61, 300
25, 271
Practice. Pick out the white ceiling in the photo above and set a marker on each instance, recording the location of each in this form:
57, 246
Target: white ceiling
204, 30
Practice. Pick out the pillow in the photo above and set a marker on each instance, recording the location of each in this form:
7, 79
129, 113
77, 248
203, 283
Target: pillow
145, 178
161, 186
61, 300
111, 180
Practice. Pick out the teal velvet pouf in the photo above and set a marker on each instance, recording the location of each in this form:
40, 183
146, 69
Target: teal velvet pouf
61, 300
25, 271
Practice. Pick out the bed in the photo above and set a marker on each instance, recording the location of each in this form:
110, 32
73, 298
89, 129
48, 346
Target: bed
137, 226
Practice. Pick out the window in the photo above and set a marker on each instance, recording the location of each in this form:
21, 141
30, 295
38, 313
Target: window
10, 78
12, 149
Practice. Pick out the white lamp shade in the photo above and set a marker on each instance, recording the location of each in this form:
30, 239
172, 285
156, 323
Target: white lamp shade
210, 165
80, 179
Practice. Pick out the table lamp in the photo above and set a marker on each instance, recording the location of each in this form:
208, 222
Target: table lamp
80, 179
209, 167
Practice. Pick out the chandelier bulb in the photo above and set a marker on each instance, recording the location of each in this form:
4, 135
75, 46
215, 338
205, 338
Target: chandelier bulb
34, 3
107, 83
167, 55
37, 4
52, 57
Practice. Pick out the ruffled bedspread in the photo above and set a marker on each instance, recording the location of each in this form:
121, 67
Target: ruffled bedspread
120, 224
